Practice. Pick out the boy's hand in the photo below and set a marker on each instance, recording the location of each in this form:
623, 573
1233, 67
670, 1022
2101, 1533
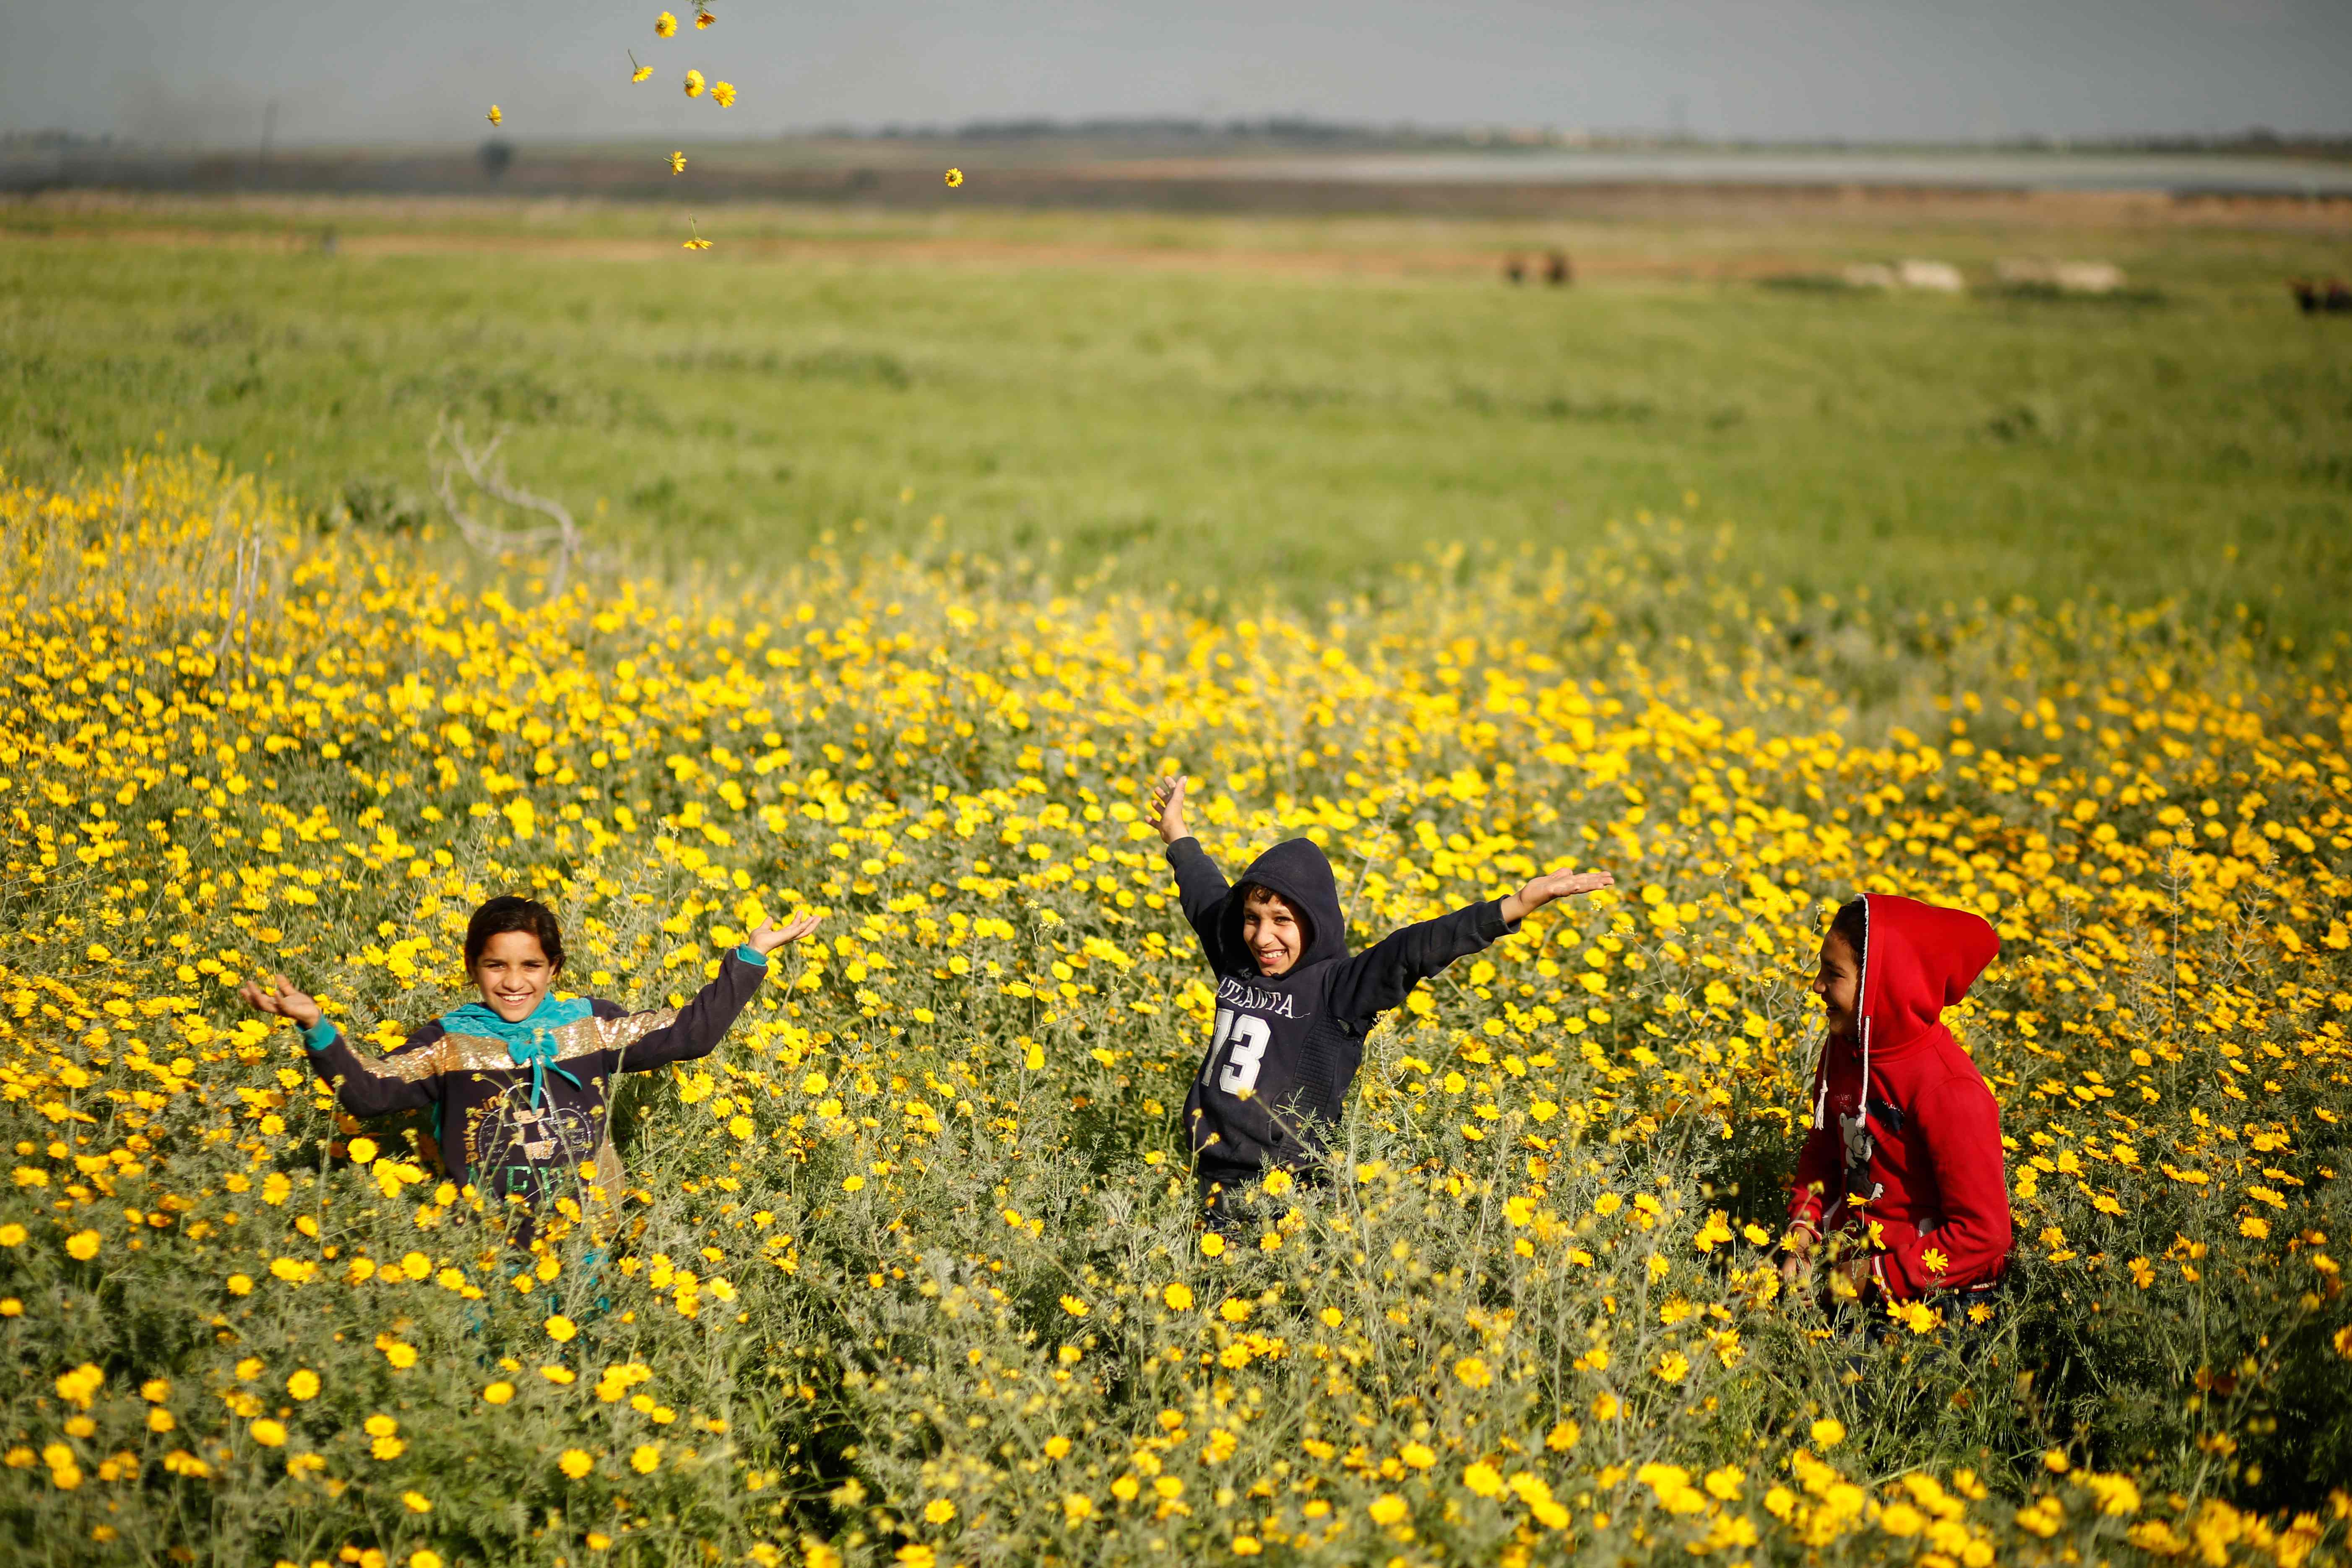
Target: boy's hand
280, 999
1553, 884
1797, 1255
1167, 804
1850, 1280
771, 936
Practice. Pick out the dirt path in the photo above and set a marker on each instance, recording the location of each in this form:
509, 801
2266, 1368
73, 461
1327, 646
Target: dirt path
989, 254
1660, 263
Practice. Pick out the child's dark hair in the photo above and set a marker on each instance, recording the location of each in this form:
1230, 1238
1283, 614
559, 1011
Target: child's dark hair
1853, 922
507, 912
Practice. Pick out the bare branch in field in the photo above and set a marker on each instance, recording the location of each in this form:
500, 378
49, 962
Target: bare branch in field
485, 471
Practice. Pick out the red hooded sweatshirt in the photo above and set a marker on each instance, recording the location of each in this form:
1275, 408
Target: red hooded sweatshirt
1935, 1178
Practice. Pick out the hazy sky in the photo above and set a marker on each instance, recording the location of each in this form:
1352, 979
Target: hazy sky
353, 70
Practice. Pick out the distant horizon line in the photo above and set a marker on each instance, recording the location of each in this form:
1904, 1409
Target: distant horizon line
1307, 131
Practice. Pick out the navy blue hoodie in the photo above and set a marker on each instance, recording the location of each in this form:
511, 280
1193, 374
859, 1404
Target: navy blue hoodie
1286, 1046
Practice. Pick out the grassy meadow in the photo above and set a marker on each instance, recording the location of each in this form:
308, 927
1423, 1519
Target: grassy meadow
908, 1271
1249, 407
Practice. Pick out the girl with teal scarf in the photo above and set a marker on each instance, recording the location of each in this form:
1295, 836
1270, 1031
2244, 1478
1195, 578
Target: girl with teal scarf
516, 1083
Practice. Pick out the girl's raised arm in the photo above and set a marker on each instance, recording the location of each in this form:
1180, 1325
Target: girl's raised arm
408, 1079
695, 1030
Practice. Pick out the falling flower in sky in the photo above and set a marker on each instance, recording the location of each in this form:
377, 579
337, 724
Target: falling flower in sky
955, 178
703, 18
677, 162
722, 93
496, 116
639, 73
694, 84
665, 24
697, 242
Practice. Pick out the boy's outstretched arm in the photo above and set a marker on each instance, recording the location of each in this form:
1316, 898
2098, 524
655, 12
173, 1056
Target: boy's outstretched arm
1201, 888
1383, 974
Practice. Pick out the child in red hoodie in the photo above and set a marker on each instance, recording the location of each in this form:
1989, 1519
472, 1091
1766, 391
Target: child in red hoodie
1904, 1152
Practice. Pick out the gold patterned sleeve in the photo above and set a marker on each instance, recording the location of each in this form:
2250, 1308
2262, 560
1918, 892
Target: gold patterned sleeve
681, 1035
409, 1078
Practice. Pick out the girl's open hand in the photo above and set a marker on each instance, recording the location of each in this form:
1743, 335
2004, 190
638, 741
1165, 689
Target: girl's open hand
1168, 805
279, 999
771, 936
1553, 884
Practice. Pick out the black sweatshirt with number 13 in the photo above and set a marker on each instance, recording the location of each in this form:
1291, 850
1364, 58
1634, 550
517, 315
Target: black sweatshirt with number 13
1286, 1046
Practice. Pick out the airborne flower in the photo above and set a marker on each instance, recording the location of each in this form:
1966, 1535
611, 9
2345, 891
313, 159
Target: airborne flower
665, 24
955, 178
639, 73
694, 84
496, 116
677, 162
722, 93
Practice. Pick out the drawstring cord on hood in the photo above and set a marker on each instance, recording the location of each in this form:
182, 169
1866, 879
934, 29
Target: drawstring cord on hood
1854, 1133
1862, 1024
1861, 1002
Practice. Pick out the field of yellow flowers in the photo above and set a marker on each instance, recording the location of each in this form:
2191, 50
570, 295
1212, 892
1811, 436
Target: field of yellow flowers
907, 1270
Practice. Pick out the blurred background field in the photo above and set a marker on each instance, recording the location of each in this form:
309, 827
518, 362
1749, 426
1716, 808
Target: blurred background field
1249, 405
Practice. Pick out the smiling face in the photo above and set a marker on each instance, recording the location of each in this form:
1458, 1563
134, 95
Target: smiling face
1271, 932
514, 974
1837, 981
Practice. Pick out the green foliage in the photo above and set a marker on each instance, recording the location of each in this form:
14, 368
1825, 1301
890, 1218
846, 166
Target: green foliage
1247, 406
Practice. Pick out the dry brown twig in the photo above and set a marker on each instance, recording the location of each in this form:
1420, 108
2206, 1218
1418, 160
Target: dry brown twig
486, 474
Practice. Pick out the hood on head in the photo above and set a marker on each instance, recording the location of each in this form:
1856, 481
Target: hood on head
1919, 959
1298, 870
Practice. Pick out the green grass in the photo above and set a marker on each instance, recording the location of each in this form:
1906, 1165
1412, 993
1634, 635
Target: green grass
1283, 429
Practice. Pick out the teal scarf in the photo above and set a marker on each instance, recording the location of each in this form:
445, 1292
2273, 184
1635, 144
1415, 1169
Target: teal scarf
530, 1041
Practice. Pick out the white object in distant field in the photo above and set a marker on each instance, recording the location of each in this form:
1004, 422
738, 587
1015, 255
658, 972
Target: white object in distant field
2071, 277
1936, 277
2090, 277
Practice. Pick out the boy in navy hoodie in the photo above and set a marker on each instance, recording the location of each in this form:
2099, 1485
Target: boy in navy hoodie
1292, 1005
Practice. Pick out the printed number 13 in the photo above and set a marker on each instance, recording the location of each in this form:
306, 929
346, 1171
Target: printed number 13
1248, 1036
